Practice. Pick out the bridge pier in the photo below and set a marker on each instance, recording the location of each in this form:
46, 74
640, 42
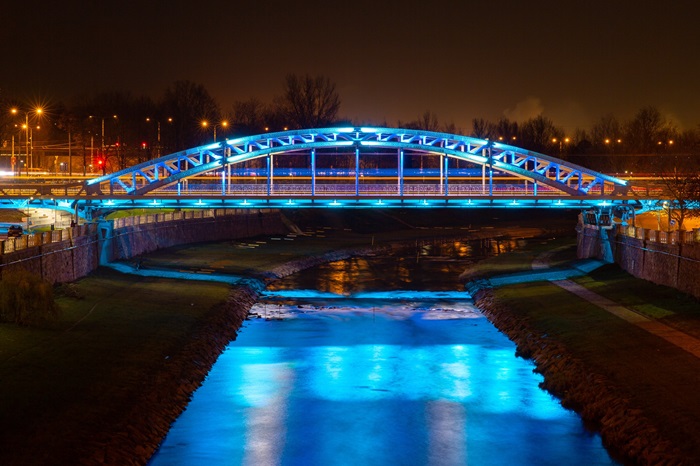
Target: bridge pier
105, 238
602, 217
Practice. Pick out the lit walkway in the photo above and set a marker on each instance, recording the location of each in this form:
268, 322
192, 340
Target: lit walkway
676, 337
201, 275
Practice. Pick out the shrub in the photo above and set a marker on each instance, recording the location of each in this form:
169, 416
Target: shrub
25, 299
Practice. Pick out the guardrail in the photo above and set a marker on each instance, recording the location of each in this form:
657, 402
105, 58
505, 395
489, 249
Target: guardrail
182, 215
19, 243
11, 245
657, 236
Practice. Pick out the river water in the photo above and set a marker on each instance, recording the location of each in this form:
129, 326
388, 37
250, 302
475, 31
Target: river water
340, 369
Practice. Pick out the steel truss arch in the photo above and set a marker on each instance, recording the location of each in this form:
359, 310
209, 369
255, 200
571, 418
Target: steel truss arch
565, 177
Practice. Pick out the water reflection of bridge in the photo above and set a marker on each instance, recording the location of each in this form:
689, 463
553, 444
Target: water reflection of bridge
338, 167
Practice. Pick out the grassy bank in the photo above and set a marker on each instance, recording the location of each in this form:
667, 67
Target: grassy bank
648, 372
61, 382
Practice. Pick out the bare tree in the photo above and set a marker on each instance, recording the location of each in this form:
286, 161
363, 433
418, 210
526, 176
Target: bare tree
249, 116
482, 129
680, 177
506, 131
451, 128
309, 102
648, 130
540, 134
606, 134
427, 121
188, 104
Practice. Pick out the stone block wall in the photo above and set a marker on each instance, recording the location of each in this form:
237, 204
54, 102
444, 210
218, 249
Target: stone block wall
134, 240
67, 255
670, 259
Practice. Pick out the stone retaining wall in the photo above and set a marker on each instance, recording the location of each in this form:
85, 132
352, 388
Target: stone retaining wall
67, 255
653, 256
56, 262
134, 240
625, 431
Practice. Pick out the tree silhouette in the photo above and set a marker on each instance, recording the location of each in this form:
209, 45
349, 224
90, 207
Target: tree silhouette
309, 102
188, 104
680, 177
646, 130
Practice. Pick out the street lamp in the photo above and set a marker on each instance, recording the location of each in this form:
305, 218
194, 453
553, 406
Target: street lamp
223, 124
38, 111
102, 154
667, 208
158, 148
561, 142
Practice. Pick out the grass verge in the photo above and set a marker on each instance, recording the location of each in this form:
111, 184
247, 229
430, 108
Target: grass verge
61, 381
655, 376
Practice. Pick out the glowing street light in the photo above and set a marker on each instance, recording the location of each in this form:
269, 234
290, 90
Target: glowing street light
38, 111
561, 142
223, 124
158, 147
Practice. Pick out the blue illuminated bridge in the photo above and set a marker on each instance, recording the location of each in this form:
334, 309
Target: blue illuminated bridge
338, 168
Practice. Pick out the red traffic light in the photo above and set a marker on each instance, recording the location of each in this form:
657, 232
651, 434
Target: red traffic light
100, 162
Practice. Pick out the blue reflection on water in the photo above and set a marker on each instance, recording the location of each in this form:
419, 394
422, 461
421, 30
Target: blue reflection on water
375, 386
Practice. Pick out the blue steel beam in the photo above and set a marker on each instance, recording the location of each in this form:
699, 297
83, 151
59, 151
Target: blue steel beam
146, 178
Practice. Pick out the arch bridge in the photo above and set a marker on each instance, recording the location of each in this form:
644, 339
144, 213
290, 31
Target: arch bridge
348, 167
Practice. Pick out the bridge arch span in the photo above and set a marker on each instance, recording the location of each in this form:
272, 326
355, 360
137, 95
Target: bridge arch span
355, 162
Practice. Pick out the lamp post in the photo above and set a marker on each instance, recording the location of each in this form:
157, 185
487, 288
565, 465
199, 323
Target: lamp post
37, 111
158, 146
102, 148
223, 124
561, 142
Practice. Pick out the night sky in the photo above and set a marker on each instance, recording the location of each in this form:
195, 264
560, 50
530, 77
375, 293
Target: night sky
391, 60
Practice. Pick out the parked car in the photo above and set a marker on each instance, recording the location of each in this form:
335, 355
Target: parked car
14, 231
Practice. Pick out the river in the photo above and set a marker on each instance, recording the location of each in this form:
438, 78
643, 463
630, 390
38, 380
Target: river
376, 361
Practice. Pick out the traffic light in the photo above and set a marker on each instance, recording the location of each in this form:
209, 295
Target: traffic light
101, 164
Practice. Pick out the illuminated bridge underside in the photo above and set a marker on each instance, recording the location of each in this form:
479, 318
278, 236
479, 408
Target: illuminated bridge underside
384, 163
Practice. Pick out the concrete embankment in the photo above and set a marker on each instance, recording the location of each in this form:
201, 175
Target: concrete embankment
625, 431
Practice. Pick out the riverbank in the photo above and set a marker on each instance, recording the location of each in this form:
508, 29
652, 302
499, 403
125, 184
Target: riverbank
635, 387
103, 384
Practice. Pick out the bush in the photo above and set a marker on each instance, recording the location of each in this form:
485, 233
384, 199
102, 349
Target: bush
25, 299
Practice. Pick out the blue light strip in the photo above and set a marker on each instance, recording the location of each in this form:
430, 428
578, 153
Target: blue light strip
149, 177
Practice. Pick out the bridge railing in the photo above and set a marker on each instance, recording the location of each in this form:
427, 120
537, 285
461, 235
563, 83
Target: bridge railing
176, 216
347, 189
